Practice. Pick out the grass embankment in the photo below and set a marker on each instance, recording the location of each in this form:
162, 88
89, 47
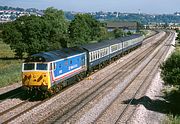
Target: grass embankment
172, 95
10, 68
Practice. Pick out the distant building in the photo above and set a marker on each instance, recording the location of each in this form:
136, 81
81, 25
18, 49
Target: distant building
177, 13
126, 26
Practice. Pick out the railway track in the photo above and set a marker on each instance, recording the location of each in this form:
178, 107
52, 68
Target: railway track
21, 107
84, 98
68, 112
134, 92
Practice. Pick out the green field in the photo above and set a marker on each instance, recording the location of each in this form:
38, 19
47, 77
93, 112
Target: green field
10, 68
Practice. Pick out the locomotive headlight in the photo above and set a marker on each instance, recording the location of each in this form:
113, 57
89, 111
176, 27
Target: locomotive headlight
34, 76
44, 82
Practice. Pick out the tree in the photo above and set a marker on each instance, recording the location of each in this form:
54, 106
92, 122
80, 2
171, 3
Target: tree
83, 29
118, 33
13, 37
129, 33
171, 69
178, 36
33, 34
58, 27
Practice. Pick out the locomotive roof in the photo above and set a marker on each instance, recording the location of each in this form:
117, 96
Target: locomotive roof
54, 55
106, 43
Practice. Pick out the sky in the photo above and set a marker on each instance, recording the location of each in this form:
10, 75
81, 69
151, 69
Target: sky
131, 6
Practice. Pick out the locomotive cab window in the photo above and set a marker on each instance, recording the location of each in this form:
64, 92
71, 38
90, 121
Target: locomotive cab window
40, 66
51, 66
29, 66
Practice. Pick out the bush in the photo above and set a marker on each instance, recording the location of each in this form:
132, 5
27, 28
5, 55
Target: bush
171, 69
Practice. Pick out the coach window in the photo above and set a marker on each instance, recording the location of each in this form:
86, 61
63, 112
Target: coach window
103, 52
106, 51
98, 54
120, 45
91, 56
111, 49
94, 56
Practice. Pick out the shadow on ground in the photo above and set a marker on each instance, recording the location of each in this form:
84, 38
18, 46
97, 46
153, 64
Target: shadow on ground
18, 93
170, 103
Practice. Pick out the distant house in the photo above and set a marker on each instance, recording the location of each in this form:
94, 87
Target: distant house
126, 26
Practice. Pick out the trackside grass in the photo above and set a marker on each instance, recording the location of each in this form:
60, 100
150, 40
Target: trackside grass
10, 67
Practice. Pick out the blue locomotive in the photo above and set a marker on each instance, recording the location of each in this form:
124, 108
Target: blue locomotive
55, 68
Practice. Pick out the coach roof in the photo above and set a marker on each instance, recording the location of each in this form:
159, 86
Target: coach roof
106, 43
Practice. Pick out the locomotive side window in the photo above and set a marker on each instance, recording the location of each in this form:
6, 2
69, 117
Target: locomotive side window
54, 67
29, 66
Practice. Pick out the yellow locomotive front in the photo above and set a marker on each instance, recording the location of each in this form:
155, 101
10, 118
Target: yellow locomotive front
36, 75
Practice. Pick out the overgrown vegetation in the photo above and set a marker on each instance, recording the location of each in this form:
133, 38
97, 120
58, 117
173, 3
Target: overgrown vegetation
10, 67
84, 28
171, 69
171, 75
33, 34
